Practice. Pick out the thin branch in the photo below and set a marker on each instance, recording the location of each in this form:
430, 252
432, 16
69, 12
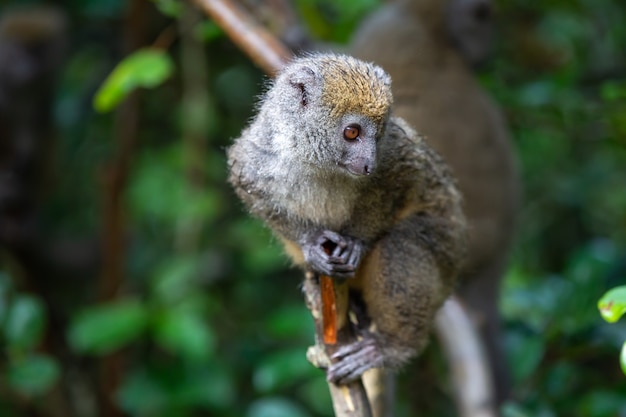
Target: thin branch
465, 354
256, 41
166, 38
349, 400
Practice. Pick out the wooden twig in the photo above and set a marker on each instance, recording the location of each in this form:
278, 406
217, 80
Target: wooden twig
349, 400
256, 41
329, 310
465, 354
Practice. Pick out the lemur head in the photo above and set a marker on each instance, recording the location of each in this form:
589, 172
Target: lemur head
333, 110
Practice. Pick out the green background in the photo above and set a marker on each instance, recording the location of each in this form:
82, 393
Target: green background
206, 317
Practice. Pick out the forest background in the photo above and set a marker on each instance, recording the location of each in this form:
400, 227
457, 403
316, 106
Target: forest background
132, 282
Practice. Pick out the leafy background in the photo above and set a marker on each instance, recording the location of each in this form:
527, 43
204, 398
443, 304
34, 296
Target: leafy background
204, 315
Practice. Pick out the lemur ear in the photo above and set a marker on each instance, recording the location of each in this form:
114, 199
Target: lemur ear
305, 81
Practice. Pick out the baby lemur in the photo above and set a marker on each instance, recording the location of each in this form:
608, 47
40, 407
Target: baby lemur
356, 194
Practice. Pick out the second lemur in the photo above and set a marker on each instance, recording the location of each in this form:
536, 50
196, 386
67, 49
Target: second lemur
356, 194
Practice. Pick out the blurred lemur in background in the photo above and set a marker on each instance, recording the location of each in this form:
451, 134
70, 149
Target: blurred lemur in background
429, 48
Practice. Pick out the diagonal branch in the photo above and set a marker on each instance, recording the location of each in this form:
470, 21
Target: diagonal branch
465, 353
349, 400
257, 42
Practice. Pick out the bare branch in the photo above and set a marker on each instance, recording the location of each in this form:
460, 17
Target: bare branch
464, 351
256, 41
348, 400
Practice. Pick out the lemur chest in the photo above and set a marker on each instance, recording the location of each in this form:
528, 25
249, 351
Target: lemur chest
323, 206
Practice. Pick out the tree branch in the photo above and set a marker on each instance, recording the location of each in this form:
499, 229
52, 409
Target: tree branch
348, 400
256, 41
465, 354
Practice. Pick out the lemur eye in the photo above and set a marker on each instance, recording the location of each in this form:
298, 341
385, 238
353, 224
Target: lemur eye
351, 132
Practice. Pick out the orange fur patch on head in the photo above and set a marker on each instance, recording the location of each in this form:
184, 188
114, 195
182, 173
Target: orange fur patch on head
354, 86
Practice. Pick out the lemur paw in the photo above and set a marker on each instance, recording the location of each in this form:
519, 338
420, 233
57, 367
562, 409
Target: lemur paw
351, 361
332, 254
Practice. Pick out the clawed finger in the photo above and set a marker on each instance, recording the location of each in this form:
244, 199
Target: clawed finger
356, 350
340, 260
339, 249
341, 267
352, 361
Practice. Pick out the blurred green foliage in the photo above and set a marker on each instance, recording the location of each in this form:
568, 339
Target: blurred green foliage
22, 323
612, 306
143, 68
209, 319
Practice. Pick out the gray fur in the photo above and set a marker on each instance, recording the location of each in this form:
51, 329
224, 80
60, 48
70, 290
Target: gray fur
403, 221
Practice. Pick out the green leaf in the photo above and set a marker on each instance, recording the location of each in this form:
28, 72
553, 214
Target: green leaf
282, 369
253, 236
167, 388
175, 278
601, 402
144, 68
613, 91
315, 395
208, 31
291, 322
142, 394
25, 322
612, 305
510, 409
207, 386
164, 170
33, 375
216, 386
171, 8
103, 329
184, 332
622, 358
524, 354
275, 407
